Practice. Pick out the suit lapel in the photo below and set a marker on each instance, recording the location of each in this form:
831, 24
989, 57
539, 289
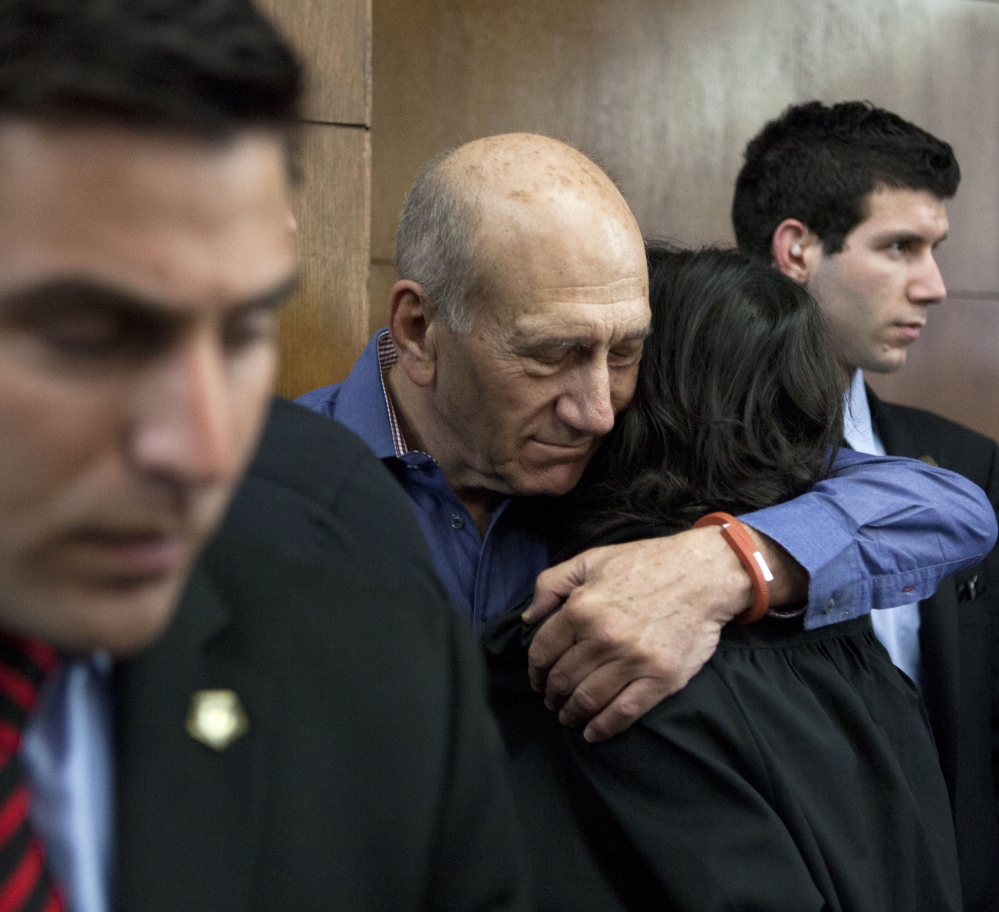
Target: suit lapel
187, 815
895, 435
938, 632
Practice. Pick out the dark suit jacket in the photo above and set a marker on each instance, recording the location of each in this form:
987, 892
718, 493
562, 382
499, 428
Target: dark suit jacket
371, 775
959, 640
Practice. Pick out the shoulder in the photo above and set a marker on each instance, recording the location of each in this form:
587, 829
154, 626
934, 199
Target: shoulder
315, 494
320, 555
322, 400
917, 432
930, 423
317, 602
304, 451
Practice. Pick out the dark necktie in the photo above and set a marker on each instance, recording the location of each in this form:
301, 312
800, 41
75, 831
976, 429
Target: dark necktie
25, 883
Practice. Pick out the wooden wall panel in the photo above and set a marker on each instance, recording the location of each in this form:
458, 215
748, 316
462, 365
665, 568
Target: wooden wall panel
665, 94
325, 327
334, 38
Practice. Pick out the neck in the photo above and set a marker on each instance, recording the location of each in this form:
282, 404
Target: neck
480, 502
424, 432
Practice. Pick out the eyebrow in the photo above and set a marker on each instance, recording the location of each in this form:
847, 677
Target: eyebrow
638, 335
905, 237
70, 294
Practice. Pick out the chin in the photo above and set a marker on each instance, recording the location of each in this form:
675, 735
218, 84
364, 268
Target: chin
121, 620
84, 615
126, 623
552, 482
885, 365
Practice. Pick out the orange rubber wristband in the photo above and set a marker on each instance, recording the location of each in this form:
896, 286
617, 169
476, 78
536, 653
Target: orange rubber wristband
749, 556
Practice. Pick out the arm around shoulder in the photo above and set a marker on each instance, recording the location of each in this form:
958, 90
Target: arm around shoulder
880, 531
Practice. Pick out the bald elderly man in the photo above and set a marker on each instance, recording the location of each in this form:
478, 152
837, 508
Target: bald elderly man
514, 338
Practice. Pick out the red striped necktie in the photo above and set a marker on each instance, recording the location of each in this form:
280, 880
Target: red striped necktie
25, 883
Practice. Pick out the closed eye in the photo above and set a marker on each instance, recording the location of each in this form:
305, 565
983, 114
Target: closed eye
553, 353
626, 355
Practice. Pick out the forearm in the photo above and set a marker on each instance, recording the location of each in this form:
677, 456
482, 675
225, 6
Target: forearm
637, 621
881, 532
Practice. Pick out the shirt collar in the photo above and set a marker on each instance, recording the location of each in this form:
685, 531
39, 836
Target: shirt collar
387, 356
363, 404
858, 427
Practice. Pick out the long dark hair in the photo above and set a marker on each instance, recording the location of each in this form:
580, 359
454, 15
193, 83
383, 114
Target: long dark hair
737, 407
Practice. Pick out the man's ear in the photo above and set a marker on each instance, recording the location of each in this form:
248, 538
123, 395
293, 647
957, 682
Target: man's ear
792, 248
413, 332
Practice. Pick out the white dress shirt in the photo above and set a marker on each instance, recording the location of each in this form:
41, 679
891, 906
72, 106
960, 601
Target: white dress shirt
897, 628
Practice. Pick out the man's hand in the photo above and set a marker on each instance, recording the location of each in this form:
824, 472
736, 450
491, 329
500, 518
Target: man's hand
638, 621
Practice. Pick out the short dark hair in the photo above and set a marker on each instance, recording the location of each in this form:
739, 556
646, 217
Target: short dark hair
206, 67
818, 164
738, 405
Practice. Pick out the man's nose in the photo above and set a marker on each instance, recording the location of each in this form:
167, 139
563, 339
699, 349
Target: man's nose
928, 286
183, 419
587, 406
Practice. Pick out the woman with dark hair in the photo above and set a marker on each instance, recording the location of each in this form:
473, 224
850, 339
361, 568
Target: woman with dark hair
796, 771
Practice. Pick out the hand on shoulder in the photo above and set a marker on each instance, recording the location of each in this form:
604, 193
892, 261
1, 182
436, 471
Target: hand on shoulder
637, 621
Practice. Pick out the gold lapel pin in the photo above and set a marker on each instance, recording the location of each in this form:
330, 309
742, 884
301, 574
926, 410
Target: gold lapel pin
216, 718
930, 461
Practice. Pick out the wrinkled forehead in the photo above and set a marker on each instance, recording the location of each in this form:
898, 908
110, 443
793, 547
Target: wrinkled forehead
579, 324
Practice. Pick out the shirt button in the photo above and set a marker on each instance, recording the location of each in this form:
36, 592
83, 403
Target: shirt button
457, 521
830, 605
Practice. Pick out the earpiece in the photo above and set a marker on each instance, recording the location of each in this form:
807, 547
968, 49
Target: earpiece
796, 250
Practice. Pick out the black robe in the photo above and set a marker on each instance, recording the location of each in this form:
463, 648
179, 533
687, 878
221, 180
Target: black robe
796, 771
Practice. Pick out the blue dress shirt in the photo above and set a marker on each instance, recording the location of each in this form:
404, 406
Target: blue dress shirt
860, 535
897, 628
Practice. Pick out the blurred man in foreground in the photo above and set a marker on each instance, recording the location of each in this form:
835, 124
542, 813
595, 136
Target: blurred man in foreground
307, 730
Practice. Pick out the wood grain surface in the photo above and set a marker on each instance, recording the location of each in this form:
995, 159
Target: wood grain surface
334, 39
325, 327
